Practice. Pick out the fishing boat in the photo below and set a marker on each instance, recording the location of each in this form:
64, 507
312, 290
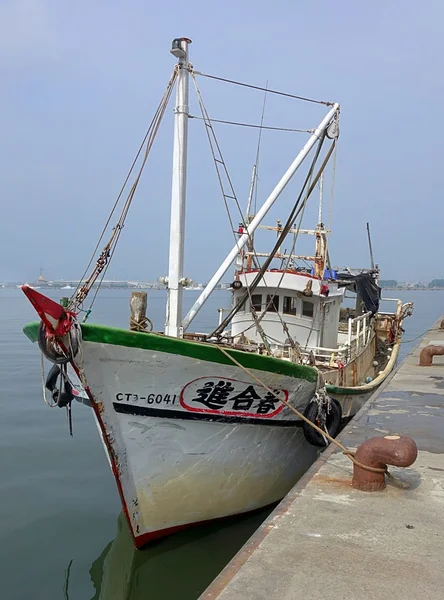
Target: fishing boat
200, 426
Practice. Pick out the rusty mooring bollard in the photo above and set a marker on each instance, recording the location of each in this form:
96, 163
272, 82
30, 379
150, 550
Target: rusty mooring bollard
427, 354
396, 450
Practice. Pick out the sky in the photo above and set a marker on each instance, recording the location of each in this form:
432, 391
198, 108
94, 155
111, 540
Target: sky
80, 82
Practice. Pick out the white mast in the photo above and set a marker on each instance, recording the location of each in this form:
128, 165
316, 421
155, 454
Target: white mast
178, 193
250, 194
260, 215
240, 256
321, 196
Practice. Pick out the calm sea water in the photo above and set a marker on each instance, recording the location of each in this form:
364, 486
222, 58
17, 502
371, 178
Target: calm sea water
61, 531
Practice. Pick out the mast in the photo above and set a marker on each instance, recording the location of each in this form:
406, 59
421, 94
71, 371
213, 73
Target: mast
260, 215
319, 266
321, 196
370, 246
173, 325
248, 218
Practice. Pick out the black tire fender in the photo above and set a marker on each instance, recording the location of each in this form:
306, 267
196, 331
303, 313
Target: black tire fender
236, 285
66, 396
333, 422
49, 352
51, 378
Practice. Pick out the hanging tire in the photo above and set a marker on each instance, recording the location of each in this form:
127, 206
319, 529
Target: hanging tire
52, 377
48, 350
333, 422
66, 396
236, 285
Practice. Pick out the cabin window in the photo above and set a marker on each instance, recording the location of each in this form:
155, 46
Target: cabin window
307, 309
289, 305
256, 302
272, 303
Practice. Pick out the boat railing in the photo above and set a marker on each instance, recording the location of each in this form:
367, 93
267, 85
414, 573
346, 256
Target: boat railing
359, 331
327, 356
398, 306
332, 356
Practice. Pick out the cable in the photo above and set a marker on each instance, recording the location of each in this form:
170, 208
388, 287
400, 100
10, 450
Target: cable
104, 258
256, 87
294, 213
239, 124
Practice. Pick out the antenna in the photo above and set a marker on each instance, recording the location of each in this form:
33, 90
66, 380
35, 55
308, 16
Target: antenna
370, 246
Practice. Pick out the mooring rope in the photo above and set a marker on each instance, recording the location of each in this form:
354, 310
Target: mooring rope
345, 451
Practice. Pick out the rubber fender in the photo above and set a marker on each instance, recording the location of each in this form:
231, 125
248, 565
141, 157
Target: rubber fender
51, 378
66, 396
236, 285
48, 350
333, 423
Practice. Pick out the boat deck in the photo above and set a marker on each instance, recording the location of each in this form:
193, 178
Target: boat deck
327, 540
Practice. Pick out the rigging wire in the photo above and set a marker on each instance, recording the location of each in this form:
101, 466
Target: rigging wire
257, 319
301, 211
212, 139
332, 192
259, 147
295, 211
256, 87
287, 262
254, 126
104, 258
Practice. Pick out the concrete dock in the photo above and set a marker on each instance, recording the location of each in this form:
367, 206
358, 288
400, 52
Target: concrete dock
328, 541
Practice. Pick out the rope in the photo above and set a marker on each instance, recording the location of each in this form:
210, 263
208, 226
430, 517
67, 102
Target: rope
253, 126
345, 451
258, 150
104, 258
212, 137
419, 336
293, 215
256, 87
332, 193
287, 262
141, 324
45, 399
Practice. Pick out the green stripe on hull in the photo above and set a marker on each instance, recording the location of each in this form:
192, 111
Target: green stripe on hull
341, 391
101, 334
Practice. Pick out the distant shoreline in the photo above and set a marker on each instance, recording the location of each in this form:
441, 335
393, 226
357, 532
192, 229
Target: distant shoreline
414, 289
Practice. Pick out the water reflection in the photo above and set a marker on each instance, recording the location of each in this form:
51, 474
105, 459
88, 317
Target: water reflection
179, 566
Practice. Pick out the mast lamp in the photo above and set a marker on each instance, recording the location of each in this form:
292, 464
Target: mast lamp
177, 48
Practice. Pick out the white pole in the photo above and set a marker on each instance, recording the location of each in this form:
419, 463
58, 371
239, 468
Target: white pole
321, 196
259, 216
250, 194
178, 193
240, 256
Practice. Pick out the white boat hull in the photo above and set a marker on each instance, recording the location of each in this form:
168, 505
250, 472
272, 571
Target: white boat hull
196, 460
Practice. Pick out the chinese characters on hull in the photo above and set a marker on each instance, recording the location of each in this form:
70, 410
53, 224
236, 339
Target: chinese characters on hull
231, 397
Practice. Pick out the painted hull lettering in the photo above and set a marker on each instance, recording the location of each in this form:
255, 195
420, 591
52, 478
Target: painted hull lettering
153, 398
231, 397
